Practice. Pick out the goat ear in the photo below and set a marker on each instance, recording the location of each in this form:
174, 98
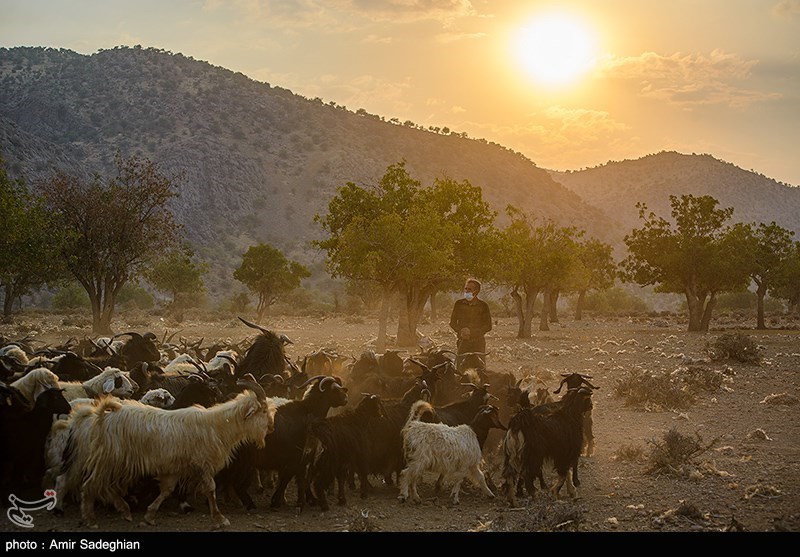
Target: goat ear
108, 385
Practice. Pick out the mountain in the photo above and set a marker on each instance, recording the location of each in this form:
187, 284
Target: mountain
258, 161
616, 187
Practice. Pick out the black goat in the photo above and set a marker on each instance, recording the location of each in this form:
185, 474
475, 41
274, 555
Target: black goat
265, 356
23, 450
386, 456
575, 381
283, 448
534, 436
338, 446
463, 411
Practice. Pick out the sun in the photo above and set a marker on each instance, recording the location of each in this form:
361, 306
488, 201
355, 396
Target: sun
556, 49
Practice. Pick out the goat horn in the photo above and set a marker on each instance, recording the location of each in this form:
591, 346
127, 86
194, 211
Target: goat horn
325, 382
315, 378
420, 364
253, 325
250, 382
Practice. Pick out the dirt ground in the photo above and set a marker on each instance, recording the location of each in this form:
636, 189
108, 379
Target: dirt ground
747, 479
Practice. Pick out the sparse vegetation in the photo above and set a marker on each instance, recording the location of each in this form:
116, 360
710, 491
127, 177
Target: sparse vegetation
734, 346
675, 453
653, 391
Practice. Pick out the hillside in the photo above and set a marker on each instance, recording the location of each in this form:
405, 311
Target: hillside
616, 187
258, 160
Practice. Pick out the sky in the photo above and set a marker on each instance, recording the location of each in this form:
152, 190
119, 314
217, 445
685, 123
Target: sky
570, 84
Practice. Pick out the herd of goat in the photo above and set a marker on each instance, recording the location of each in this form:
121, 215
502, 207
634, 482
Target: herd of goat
131, 420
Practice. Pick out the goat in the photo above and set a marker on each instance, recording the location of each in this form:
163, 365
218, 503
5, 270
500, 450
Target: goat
462, 412
282, 449
112, 381
452, 452
160, 398
31, 385
534, 436
386, 455
337, 446
189, 442
265, 355
24, 443
575, 381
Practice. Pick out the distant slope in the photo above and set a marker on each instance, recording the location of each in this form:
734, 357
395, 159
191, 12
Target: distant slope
616, 187
258, 160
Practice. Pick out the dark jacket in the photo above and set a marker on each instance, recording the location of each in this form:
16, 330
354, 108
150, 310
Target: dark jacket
474, 316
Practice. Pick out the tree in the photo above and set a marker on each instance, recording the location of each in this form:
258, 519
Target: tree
787, 281
177, 274
532, 259
406, 239
698, 258
269, 274
596, 270
767, 247
115, 227
29, 245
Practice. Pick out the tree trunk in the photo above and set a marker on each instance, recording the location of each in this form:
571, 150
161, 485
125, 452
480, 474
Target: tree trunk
761, 291
695, 306
8, 301
545, 310
383, 317
553, 314
524, 310
712, 302
434, 308
579, 305
409, 319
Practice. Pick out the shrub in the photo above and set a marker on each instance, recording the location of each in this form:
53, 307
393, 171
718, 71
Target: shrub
674, 453
134, 296
614, 300
71, 296
652, 391
734, 346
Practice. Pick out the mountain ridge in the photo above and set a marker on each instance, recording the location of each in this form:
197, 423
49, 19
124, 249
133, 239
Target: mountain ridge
258, 161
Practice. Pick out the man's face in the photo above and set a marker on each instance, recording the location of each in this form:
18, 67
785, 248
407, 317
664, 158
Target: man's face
472, 288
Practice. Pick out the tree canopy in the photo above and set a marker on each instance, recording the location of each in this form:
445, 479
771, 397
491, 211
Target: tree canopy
267, 272
178, 274
29, 243
115, 227
699, 257
407, 238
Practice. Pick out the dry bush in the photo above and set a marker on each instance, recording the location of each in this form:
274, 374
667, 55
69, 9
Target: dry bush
734, 346
699, 378
629, 453
543, 516
675, 453
654, 391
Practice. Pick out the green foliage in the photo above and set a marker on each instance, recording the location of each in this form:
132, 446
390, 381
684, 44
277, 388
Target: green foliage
406, 238
114, 226
267, 272
734, 346
700, 257
29, 244
134, 295
70, 296
177, 274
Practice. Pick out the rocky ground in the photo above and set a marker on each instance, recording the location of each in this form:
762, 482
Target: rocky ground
743, 475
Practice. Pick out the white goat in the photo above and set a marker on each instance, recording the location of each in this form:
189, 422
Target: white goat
131, 440
160, 398
33, 383
111, 381
451, 452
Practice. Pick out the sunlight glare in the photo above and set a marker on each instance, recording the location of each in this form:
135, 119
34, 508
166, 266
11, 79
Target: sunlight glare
556, 49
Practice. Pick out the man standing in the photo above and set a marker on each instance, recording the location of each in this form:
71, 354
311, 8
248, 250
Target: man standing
471, 320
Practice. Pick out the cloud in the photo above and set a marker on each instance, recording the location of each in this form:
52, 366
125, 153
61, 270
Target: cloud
689, 80
375, 39
405, 11
787, 9
458, 109
452, 37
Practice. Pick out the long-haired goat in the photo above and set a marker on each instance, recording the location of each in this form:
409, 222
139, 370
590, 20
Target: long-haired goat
452, 452
534, 435
132, 440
